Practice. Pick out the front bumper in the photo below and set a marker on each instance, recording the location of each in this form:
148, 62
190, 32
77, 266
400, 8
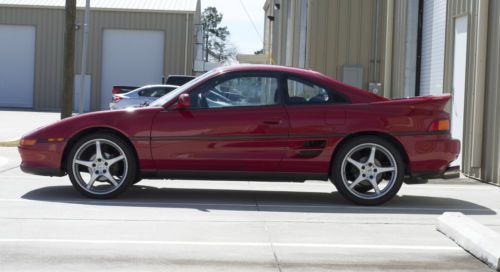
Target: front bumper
52, 172
42, 159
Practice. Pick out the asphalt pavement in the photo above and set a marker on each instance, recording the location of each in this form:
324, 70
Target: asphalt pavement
174, 225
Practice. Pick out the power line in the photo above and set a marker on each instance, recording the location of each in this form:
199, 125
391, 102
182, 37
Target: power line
252, 22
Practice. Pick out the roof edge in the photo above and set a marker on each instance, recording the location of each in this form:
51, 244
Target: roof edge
101, 9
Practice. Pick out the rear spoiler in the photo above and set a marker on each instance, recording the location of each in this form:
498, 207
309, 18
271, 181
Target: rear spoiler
432, 102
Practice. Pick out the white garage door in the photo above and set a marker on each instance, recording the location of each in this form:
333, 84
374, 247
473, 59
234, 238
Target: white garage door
17, 65
130, 58
433, 34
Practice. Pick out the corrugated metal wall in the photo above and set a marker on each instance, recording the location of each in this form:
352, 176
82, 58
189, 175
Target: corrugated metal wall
481, 141
491, 132
340, 32
49, 25
399, 49
460, 8
49, 45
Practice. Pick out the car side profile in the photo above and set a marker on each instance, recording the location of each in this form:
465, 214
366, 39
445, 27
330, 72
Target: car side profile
253, 122
140, 97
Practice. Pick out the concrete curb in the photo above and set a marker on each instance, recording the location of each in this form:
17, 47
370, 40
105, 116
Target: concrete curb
475, 238
11, 143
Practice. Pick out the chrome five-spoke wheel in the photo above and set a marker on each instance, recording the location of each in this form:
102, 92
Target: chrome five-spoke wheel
368, 170
101, 166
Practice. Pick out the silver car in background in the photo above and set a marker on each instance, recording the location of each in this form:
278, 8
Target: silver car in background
140, 97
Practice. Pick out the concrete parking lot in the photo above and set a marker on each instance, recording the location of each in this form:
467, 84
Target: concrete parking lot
173, 225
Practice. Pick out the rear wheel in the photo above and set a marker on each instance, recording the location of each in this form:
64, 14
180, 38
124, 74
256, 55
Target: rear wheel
101, 165
368, 170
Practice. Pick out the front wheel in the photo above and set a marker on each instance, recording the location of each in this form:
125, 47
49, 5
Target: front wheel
101, 165
368, 170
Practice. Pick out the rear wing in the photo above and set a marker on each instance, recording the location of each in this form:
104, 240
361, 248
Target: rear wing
432, 102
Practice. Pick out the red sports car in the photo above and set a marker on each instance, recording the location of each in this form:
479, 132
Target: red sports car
253, 122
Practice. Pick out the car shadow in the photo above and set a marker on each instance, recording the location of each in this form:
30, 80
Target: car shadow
257, 200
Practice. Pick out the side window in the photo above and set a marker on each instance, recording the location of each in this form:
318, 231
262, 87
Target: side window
159, 92
148, 92
237, 92
153, 92
301, 92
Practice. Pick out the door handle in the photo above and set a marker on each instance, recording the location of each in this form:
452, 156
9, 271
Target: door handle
273, 122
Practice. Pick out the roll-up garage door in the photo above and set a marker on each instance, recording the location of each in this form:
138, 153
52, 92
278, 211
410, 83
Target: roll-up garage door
130, 58
433, 39
17, 65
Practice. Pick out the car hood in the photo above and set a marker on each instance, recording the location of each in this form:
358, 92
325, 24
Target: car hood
129, 122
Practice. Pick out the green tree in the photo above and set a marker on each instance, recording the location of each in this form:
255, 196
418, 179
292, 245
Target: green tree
216, 47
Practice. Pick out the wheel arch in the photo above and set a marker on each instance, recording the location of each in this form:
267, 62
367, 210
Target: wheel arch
386, 136
89, 131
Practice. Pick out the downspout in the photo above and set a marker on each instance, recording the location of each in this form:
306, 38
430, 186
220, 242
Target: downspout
479, 83
186, 48
376, 41
388, 48
419, 46
85, 45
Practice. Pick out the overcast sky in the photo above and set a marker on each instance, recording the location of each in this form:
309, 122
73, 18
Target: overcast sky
243, 34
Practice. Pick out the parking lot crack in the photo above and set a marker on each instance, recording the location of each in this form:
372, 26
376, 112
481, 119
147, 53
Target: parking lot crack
269, 238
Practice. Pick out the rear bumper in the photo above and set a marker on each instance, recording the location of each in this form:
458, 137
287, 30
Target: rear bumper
450, 172
430, 155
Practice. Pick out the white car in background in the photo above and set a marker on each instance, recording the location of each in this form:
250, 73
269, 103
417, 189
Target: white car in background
140, 97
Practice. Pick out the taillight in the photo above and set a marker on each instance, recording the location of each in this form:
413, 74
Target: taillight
115, 90
440, 125
117, 98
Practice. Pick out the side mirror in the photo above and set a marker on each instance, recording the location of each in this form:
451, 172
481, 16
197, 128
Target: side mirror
184, 102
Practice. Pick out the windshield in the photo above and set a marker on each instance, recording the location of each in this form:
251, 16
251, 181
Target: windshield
166, 98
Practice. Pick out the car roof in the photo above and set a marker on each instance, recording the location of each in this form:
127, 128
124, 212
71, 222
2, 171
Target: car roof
356, 94
266, 67
158, 86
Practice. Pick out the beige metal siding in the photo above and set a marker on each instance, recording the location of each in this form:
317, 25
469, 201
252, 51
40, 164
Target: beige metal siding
340, 32
49, 25
48, 51
491, 133
457, 8
173, 25
399, 49
481, 151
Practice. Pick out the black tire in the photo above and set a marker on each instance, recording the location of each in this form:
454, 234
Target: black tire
129, 171
359, 193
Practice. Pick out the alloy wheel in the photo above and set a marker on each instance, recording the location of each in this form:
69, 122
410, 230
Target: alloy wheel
372, 165
100, 166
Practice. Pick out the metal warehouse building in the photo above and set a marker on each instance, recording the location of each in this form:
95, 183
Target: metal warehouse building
405, 48
131, 42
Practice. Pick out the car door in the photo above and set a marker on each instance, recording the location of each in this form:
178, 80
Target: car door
236, 122
317, 120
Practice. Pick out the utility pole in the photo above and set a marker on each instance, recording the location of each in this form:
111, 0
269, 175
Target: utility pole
69, 59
